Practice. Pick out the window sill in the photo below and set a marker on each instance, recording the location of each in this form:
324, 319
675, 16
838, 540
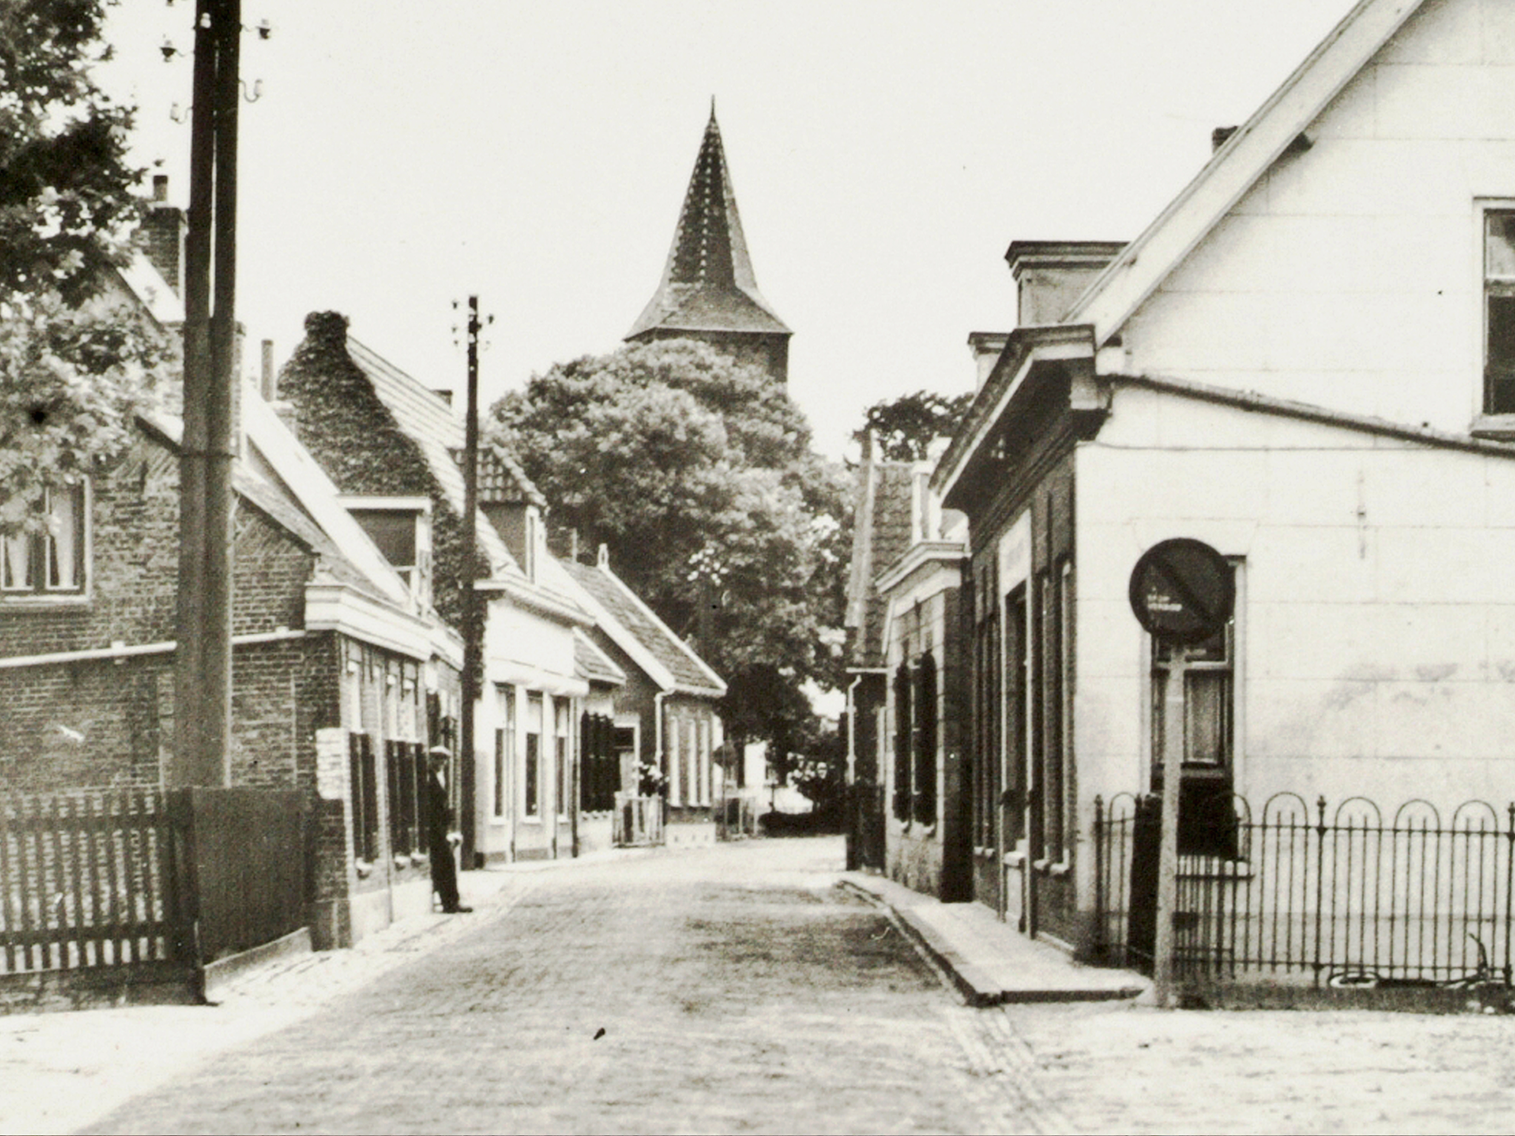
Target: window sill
43, 601
1056, 869
1016, 860
1499, 427
363, 868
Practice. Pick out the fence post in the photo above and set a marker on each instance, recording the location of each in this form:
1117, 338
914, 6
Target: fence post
1100, 931
1320, 876
1509, 873
185, 887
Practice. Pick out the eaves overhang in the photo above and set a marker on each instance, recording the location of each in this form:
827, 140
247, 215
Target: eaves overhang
535, 599
925, 554
1029, 353
335, 606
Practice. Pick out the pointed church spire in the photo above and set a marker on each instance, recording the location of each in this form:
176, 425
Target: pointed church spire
708, 285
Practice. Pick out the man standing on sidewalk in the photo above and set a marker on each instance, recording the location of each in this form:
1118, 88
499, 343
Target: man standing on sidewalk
444, 872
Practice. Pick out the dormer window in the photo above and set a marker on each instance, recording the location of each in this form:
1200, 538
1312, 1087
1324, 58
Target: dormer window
54, 562
1499, 311
401, 528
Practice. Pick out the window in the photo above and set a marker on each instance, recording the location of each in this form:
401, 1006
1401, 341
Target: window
533, 779
504, 743
925, 740
365, 796
402, 759
986, 707
623, 744
1499, 311
1017, 687
401, 529
562, 780
600, 774
1207, 818
902, 739
53, 562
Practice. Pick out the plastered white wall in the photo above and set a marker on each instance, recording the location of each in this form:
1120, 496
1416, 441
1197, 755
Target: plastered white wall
1376, 640
1350, 276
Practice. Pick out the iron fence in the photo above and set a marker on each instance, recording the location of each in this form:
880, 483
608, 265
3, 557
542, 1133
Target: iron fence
1342, 895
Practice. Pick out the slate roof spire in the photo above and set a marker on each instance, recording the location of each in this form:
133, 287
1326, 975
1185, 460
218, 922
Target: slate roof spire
708, 284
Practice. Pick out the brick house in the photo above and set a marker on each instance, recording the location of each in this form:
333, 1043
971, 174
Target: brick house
665, 713
392, 446
334, 665
1303, 362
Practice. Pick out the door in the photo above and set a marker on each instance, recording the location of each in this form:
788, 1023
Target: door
1015, 890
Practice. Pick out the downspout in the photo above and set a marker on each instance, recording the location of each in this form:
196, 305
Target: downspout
852, 729
575, 771
657, 734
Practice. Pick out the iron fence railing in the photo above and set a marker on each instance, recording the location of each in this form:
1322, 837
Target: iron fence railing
1343, 895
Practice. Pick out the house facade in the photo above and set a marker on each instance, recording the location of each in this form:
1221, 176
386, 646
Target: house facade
339, 679
1301, 362
664, 717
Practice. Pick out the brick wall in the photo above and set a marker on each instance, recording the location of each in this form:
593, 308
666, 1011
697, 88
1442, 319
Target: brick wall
340, 419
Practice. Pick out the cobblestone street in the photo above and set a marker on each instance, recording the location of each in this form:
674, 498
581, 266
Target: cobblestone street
723, 990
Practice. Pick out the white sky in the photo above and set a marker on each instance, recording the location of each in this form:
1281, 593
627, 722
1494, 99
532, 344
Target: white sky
536, 152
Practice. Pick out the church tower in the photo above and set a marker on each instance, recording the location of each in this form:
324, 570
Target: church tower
708, 291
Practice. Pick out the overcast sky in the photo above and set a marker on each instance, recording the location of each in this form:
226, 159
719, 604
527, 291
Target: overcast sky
405, 154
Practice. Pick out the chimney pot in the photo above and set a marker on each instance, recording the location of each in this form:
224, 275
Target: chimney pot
270, 388
160, 187
604, 559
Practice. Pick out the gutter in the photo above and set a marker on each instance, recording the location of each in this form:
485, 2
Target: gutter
123, 651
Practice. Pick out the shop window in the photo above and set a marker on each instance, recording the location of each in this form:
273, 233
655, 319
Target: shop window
51, 562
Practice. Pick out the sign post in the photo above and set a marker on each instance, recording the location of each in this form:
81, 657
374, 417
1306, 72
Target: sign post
1182, 592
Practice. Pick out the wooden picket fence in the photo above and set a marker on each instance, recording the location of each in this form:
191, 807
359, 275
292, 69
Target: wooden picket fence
90, 879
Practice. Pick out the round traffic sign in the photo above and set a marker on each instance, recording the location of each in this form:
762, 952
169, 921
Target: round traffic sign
1182, 590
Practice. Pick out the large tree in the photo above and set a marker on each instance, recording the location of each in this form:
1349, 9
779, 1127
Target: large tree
71, 370
696, 471
905, 427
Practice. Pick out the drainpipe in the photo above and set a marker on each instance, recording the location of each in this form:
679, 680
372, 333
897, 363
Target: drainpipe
657, 733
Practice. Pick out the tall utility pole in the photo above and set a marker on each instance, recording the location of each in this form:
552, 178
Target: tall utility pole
472, 647
202, 674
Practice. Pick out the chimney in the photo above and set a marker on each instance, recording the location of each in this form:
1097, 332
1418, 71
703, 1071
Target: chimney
268, 381
164, 228
986, 347
604, 558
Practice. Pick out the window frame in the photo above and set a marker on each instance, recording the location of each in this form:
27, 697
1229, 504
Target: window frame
40, 556
531, 782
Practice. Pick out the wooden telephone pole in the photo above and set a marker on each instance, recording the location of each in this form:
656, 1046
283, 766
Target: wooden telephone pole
472, 624
202, 675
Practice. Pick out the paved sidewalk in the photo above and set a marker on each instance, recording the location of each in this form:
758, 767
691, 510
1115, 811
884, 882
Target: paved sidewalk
61, 1071
989, 961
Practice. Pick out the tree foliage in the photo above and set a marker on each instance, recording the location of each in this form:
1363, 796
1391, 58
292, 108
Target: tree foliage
71, 369
905, 427
696, 471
